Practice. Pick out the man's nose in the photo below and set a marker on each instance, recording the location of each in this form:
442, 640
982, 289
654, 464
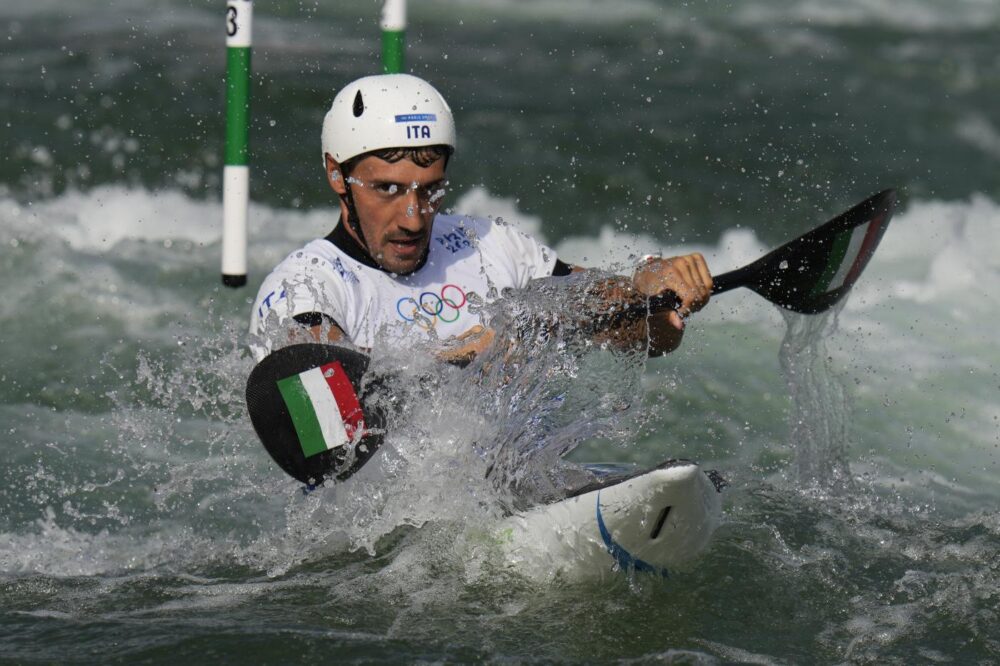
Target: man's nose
412, 218
415, 205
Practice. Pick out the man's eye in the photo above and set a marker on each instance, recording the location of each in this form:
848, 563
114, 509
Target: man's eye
435, 192
387, 188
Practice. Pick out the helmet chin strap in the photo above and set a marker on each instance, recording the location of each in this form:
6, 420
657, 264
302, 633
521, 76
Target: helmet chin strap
353, 220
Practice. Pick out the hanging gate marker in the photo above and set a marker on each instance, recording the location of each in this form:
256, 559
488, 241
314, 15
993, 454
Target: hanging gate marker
236, 173
393, 36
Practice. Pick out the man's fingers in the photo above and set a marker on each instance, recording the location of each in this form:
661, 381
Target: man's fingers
688, 290
706, 276
475, 330
700, 274
695, 286
697, 278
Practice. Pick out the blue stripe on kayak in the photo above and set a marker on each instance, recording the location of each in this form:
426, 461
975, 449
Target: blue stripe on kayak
622, 557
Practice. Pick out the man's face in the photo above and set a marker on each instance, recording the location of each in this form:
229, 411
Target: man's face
396, 203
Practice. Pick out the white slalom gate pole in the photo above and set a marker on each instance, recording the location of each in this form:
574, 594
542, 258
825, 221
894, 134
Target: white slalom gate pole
236, 174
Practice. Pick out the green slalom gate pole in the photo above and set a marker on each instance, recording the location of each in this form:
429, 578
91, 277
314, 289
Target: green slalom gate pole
236, 174
393, 35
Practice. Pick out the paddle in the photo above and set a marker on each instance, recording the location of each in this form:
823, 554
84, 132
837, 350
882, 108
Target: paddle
317, 413
813, 272
305, 403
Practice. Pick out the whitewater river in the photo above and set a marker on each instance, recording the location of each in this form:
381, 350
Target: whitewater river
141, 520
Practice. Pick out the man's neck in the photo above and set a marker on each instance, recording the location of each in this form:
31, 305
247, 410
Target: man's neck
346, 243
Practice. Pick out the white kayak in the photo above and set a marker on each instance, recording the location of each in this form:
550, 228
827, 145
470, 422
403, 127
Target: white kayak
651, 521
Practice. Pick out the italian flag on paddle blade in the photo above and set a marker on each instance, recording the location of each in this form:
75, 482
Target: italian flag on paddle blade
850, 254
324, 408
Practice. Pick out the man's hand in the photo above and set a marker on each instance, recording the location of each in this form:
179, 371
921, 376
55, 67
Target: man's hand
687, 276
467, 346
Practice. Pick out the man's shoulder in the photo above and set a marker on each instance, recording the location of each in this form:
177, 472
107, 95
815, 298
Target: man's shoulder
494, 245
318, 256
475, 229
448, 223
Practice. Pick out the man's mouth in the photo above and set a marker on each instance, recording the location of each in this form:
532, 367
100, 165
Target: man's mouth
406, 246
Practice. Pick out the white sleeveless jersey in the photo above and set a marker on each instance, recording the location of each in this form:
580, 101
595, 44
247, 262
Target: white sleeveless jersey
468, 259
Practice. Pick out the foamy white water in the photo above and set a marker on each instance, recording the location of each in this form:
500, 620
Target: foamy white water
140, 519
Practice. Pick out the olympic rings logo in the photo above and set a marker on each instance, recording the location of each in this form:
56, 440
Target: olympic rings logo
444, 307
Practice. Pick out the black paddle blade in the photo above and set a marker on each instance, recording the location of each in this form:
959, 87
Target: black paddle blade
308, 406
814, 271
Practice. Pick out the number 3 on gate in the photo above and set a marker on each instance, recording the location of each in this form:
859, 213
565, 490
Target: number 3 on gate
239, 16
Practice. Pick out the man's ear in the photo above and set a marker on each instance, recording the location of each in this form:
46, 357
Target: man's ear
335, 176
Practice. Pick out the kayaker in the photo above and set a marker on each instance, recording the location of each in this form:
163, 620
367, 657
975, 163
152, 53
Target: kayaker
395, 266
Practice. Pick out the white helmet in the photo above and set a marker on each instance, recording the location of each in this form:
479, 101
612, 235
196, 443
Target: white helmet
386, 111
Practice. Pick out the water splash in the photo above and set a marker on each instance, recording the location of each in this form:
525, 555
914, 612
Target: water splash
820, 408
553, 380
467, 445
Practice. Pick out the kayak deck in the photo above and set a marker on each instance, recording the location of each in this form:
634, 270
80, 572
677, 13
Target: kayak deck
647, 521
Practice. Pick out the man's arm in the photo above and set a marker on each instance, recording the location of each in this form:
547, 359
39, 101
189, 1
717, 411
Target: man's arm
315, 327
687, 276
